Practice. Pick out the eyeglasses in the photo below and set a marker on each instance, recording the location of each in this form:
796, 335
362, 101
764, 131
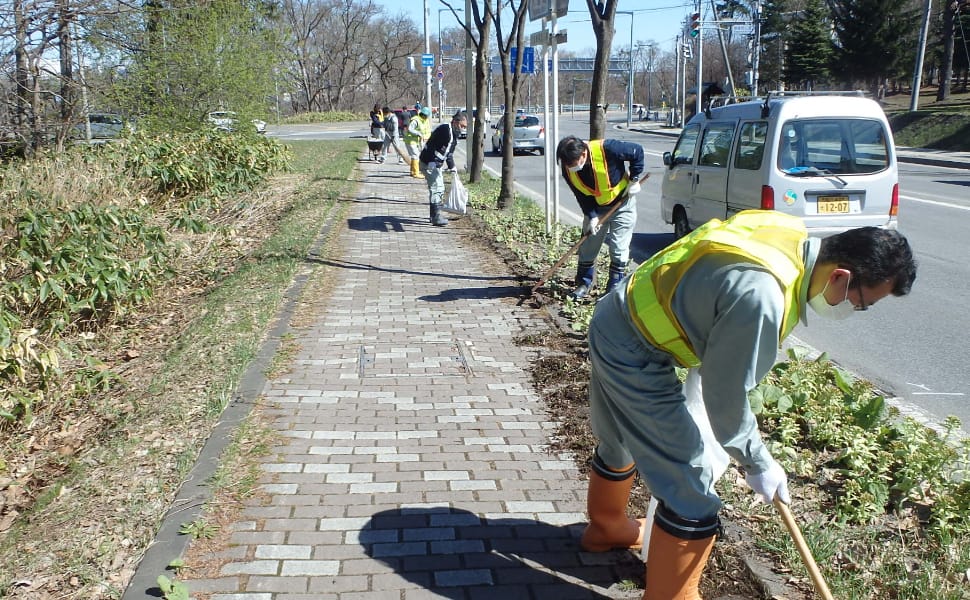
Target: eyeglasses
865, 306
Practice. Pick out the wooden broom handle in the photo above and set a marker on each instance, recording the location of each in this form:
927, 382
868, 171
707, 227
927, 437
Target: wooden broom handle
807, 559
574, 248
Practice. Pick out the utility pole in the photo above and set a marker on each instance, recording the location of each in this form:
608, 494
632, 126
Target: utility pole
629, 91
700, 57
756, 49
920, 53
427, 50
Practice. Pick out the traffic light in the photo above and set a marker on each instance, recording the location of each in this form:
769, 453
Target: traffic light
695, 24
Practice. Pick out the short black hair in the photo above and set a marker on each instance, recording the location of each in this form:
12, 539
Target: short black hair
874, 255
569, 150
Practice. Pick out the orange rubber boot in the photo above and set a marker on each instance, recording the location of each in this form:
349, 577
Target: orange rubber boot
674, 566
609, 527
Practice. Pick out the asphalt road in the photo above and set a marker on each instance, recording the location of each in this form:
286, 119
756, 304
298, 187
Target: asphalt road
912, 348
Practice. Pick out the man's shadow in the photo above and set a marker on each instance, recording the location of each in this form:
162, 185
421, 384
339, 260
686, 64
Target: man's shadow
456, 554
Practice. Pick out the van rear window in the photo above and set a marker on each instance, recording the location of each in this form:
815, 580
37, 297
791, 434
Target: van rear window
840, 146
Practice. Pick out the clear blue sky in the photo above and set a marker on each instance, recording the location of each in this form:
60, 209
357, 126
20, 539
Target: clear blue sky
658, 24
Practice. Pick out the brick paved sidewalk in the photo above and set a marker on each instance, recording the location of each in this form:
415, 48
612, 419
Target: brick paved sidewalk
412, 461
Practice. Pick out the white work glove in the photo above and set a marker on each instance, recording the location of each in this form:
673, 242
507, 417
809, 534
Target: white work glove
633, 188
593, 227
771, 483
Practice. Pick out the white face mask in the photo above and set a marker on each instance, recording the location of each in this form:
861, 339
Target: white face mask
840, 311
577, 167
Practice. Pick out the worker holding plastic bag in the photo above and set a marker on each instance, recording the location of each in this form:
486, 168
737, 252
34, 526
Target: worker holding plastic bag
718, 301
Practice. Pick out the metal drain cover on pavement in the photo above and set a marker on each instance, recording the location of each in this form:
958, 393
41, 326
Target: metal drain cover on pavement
413, 360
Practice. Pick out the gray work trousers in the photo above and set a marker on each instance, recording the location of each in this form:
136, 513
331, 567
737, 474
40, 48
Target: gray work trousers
638, 413
617, 233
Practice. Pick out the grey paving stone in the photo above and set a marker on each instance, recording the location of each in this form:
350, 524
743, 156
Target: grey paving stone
414, 481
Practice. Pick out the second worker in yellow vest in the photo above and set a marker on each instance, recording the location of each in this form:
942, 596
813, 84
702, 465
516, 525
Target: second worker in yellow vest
601, 174
415, 135
721, 300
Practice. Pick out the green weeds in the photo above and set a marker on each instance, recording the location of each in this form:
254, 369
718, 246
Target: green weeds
79, 383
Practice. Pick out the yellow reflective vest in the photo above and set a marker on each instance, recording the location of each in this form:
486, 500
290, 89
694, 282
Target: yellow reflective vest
603, 193
418, 129
767, 238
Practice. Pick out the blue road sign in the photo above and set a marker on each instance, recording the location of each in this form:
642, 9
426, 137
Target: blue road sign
528, 59
427, 60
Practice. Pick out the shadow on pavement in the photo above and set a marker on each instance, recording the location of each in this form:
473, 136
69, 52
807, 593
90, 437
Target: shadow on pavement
455, 554
345, 264
385, 223
478, 293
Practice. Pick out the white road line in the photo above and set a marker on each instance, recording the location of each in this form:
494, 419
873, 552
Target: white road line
934, 202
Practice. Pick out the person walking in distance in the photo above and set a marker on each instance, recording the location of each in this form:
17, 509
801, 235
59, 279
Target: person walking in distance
720, 300
417, 133
601, 174
376, 123
391, 134
438, 153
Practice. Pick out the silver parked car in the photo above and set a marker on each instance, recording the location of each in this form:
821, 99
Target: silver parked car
527, 134
103, 127
226, 120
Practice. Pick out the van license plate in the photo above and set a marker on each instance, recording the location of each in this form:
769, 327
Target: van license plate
833, 205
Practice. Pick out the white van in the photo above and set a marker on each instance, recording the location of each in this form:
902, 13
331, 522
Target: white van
828, 158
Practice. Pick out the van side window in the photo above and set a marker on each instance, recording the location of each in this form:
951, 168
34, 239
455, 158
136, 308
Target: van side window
751, 145
683, 153
716, 145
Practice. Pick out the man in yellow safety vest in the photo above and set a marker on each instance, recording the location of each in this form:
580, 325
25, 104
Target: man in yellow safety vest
720, 299
597, 173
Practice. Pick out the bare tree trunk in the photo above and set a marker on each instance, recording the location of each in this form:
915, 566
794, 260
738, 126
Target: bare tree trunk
602, 15
516, 38
21, 75
66, 48
482, 19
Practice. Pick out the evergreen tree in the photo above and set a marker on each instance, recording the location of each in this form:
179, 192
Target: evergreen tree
774, 33
810, 52
876, 40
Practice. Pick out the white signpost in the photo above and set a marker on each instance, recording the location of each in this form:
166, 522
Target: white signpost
548, 38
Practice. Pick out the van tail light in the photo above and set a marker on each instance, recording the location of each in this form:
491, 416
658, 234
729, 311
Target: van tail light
894, 206
767, 198
542, 130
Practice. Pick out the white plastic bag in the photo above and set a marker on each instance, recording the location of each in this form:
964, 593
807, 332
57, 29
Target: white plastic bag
714, 453
457, 201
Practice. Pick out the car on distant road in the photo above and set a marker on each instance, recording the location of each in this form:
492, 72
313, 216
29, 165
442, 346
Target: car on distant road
527, 134
103, 126
226, 120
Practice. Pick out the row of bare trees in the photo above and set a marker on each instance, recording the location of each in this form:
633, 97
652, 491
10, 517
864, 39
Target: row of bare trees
168, 62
